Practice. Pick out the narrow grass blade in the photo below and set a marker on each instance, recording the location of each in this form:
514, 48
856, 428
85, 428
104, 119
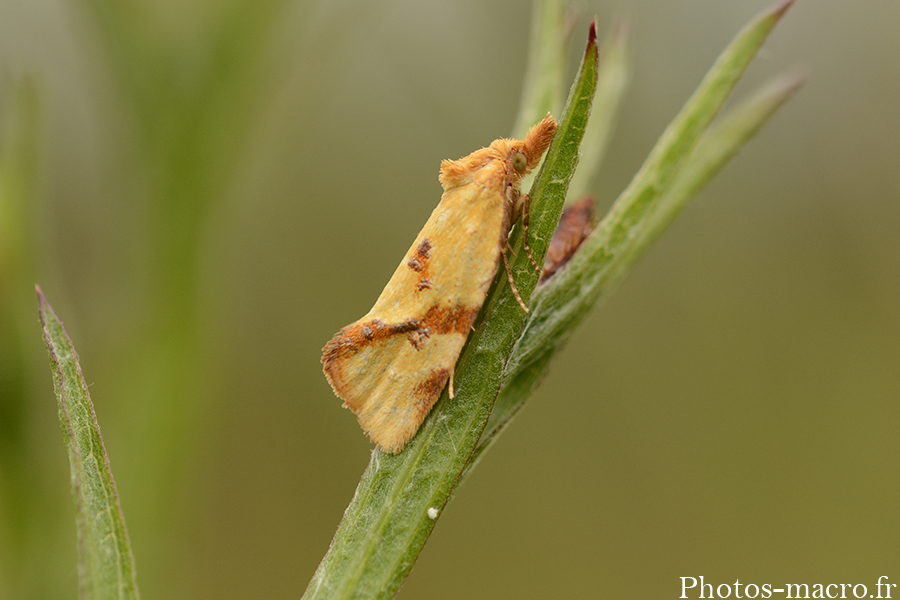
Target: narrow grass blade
721, 142
105, 563
680, 137
400, 496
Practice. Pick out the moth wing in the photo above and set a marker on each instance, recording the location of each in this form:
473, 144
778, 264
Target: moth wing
391, 366
391, 387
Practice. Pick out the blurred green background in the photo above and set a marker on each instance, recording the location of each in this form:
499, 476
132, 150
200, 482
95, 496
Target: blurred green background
207, 191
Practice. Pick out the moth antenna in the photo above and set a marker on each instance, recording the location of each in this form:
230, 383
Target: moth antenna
512, 283
450, 385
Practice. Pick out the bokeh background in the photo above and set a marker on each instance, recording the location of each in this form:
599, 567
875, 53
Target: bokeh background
206, 191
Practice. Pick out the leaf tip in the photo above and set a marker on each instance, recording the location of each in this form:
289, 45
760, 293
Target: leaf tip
782, 7
47, 314
43, 304
784, 86
592, 35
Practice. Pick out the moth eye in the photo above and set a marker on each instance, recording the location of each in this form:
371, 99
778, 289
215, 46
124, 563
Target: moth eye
520, 163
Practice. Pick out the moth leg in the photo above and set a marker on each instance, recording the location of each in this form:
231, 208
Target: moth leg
452, 374
512, 283
526, 209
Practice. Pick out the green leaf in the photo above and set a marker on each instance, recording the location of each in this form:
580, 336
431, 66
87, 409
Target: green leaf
400, 496
105, 563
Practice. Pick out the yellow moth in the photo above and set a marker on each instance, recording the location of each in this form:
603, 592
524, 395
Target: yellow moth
391, 366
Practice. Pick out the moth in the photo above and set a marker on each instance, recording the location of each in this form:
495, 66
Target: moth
391, 366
